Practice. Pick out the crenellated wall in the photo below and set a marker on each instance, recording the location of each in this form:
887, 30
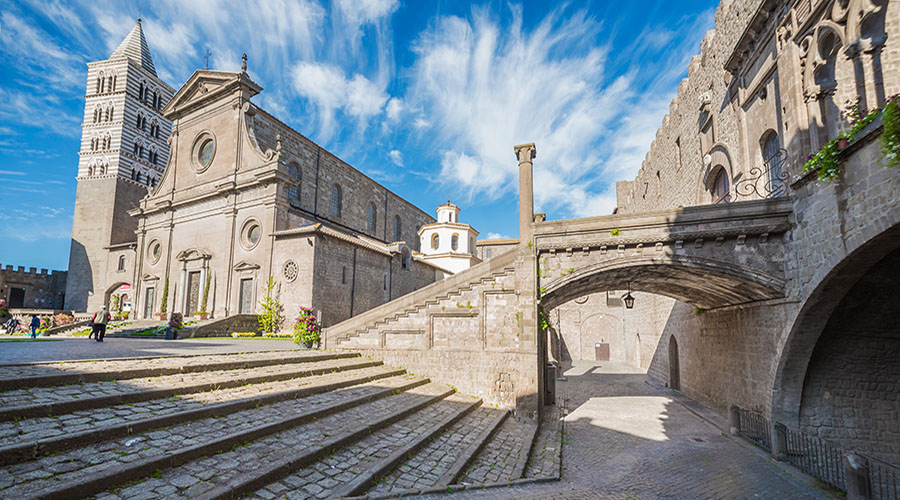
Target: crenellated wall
37, 289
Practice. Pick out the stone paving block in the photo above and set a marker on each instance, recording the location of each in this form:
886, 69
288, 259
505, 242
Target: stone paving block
27, 480
17, 402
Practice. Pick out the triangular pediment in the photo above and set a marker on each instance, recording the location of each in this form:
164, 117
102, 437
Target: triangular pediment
192, 254
149, 277
207, 85
246, 266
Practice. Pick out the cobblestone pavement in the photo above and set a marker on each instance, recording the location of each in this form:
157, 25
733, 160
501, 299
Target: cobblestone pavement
185, 383
77, 465
424, 468
322, 478
32, 429
83, 348
183, 363
503, 456
199, 476
628, 440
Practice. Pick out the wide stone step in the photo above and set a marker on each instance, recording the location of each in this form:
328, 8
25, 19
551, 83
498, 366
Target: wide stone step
351, 470
86, 471
26, 439
444, 458
242, 471
44, 401
504, 457
72, 372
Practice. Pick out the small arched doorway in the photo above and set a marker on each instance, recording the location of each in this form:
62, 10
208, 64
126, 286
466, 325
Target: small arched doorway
674, 372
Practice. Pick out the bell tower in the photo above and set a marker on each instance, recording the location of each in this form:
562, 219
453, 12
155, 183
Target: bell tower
124, 150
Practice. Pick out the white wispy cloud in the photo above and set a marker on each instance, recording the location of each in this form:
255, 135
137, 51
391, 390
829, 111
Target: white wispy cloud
11, 172
396, 157
497, 236
359, 12
330, 90
491, 87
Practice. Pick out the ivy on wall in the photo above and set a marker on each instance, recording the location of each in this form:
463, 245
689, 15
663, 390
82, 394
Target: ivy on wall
826, 161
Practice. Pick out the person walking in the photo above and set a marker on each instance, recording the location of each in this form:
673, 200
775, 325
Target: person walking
99, 321
35, 324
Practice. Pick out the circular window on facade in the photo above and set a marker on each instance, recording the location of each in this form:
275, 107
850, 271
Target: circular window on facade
290, 271
205, 154
251, 233
204, 151
155, 251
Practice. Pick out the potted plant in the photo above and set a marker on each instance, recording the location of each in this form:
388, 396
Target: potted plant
176, 322
306, 328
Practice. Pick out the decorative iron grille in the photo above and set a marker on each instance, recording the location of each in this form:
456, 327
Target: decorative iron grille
768, 181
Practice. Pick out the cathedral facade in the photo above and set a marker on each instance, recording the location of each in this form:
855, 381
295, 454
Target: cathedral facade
229, 197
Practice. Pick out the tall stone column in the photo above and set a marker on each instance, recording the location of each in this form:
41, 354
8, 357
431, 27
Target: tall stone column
525, 153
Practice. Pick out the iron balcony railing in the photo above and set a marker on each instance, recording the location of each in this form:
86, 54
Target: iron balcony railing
767, 181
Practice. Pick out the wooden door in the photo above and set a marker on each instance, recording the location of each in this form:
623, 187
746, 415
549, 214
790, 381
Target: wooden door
245, 305
193, 293
674, 371
601, 352
16, 298
149, 296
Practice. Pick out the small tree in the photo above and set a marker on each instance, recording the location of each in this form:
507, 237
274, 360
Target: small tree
114, 306
164, 303
205, 300
272, 315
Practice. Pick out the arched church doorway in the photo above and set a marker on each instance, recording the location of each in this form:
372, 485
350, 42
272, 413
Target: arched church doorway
674, 371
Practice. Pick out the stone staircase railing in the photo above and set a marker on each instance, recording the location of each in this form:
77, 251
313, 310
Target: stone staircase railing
419, 299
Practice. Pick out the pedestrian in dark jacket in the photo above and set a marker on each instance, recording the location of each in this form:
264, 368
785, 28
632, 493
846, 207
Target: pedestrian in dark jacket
99, 321
35, 324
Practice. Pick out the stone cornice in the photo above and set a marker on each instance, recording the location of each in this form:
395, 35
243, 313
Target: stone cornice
690, 224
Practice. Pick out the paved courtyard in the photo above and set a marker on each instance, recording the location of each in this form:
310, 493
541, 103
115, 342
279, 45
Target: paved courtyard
626, 439
83, 348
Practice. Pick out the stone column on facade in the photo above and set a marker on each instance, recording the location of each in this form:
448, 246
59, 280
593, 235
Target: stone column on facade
182, 283
525, 154
203, 271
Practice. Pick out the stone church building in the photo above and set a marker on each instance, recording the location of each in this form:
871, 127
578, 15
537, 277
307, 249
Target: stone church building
196, 199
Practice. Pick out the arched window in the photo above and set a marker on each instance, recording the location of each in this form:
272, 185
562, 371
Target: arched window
108, 114
114, 78
472, 246
773, 159
141, 152
371, 218
135, 149
96, 114
294, 190
99, 84
397, 228
435, 242
720, 187
337, 201
404, 258
121, 263
454, 242
109, 83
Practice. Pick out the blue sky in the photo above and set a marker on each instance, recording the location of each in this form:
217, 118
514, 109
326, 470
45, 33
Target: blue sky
427, 97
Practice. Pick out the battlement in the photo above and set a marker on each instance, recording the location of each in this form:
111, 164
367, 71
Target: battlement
31, 271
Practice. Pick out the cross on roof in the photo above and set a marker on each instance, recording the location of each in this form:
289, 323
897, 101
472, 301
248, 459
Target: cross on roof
208, 53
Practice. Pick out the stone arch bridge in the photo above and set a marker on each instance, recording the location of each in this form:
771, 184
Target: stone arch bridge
709, 256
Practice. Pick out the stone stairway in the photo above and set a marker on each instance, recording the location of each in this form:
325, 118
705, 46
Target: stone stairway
351, 333
285, 424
